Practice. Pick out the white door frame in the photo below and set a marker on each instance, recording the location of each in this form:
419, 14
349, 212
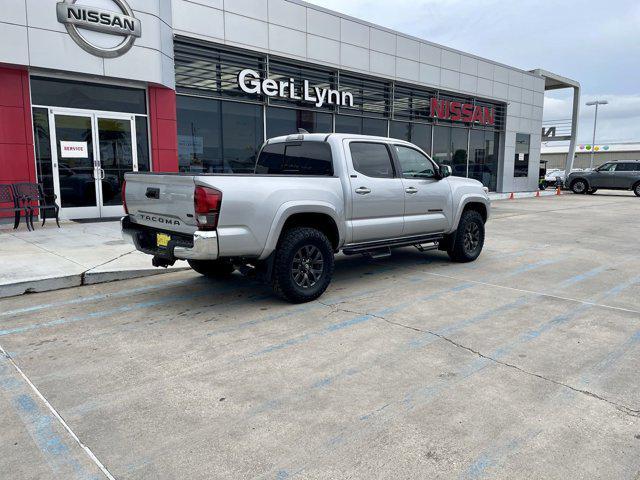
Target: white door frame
99, 210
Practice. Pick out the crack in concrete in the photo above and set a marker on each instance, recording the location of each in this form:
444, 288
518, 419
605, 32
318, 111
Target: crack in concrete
620, 407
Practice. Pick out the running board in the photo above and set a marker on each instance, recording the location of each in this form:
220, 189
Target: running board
356, 248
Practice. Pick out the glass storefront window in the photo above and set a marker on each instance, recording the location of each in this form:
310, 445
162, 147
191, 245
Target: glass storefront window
361, 125
521, 166
286, 121
42, 142
459, 145
216, 136
450, 148
142, 144
483, 157
416, 133
89, 96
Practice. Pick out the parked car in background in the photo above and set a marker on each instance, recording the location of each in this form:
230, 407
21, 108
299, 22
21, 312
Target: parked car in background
617, 175
310, 197
553, 174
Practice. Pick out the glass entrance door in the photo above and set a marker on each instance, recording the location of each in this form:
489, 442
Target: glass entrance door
74, 166
115, 148
92, 152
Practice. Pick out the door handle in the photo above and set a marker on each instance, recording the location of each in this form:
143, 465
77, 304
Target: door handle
103, 175
363, 190
411, 190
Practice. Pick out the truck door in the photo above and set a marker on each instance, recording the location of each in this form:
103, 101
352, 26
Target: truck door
426, 201
377, 193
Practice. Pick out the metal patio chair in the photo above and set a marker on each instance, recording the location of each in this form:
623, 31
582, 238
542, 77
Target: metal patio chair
9, 196
33, 196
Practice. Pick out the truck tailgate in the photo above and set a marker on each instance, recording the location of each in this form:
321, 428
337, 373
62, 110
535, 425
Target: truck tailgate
161, 201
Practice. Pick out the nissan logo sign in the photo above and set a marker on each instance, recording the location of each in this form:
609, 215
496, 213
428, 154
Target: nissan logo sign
77, 17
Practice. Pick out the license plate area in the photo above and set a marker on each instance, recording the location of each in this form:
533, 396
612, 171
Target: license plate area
162, 240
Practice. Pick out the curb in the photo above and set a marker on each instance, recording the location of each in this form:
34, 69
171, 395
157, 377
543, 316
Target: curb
80, 279
517, 195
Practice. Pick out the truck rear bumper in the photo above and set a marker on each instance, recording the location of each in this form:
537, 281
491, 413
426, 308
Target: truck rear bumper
202, 246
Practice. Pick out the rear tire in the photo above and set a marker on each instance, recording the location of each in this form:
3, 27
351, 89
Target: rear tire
469, 238
636, 189
212, 268
303, 265
579, 186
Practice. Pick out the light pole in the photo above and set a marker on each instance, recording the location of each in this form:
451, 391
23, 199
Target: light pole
595, 122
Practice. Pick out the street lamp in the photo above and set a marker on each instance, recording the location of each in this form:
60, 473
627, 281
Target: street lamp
595, 121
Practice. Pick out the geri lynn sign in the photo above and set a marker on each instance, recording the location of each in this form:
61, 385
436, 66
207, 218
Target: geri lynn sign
250, 82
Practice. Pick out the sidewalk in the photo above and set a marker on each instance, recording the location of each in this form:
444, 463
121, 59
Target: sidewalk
51, 258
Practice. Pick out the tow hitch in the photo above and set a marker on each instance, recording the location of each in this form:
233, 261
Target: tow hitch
162, 262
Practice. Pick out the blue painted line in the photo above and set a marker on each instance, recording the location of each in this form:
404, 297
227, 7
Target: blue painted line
119, 310
581, 277
533, 266
42, 426
93, 298
496, 456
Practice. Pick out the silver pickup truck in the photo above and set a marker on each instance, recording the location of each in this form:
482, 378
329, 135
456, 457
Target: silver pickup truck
311, 196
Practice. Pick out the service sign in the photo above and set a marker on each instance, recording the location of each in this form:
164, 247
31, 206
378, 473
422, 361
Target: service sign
73, 149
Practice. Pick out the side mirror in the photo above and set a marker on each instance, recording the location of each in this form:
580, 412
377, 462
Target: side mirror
445, 171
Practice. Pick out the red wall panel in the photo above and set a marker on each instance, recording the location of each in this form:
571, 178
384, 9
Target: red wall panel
164, 132
17, 163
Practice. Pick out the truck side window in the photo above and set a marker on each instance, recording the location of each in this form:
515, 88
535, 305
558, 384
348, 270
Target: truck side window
304, 158
414, 164
371, 159
308, 158
271, 159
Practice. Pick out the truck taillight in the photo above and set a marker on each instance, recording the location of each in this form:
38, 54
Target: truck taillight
207, 206
124, 196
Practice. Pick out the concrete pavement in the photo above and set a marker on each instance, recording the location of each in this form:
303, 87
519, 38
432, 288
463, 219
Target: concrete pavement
523, 364
52, 258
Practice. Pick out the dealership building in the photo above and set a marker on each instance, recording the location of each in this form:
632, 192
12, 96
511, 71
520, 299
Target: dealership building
91, 89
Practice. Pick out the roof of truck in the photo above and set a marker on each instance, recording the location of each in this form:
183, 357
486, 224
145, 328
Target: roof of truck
321, 137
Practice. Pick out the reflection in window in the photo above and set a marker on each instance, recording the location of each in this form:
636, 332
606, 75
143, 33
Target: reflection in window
417, 133
483, 157
90, 96
218, 137
361, 125
142, 144
43, 151
450, 148
371, 159
521, 164
413, 163
286, 121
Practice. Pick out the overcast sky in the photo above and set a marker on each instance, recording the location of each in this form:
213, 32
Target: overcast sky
594, 42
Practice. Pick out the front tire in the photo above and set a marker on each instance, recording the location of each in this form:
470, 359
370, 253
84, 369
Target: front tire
469, 238
212, 268
303, 265
579, 186
636, 189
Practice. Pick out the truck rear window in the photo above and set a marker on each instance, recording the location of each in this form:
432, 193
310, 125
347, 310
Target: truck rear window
301, 158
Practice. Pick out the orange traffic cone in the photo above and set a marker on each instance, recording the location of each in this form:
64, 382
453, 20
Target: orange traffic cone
512, 196
537, 193
558, 191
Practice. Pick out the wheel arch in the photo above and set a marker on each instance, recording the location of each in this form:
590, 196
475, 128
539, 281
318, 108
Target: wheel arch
321, 216
471, 202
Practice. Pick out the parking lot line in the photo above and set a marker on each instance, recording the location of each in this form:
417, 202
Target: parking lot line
46, 439
421, 395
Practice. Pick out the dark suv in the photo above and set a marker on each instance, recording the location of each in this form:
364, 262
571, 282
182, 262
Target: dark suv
618, 175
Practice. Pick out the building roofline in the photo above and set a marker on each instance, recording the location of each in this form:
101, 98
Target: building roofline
303, 3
